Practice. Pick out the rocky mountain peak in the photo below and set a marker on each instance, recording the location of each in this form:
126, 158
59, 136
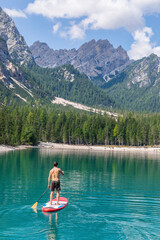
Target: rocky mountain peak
97, 59
146, 72
39, 44
120, 49
17, 47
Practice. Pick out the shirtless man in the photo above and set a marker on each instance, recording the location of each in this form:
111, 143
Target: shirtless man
54, 173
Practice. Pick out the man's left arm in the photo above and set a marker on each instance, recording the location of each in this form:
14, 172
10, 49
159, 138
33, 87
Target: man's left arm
61, 172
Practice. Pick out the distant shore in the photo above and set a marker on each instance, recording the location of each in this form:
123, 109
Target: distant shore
99, 148
6, 148
48, 145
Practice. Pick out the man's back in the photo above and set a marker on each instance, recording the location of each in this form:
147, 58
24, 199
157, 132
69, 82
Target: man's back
55, 173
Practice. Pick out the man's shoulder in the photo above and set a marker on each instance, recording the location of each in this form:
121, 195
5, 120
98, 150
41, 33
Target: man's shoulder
55, 169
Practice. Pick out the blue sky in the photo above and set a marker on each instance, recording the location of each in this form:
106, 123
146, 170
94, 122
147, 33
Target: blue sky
133, 24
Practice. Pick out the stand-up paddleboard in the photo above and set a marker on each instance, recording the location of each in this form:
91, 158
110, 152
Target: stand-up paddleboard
63, 202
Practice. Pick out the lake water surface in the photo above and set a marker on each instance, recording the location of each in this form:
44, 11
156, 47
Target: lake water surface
111, 196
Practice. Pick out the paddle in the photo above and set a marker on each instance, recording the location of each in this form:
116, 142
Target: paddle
35, 205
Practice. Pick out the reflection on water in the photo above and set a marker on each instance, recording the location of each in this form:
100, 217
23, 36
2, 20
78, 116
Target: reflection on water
112, 195
150, 155
53, 224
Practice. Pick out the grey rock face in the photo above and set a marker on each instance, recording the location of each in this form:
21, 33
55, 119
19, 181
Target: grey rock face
9, 70
4, 54
94, 58
17, 47
146, 72
47, 57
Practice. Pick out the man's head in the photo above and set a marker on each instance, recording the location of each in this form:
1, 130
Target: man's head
55, 164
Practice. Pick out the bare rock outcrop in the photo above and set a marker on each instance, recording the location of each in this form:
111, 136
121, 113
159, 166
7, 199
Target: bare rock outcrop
97, 59
17, 47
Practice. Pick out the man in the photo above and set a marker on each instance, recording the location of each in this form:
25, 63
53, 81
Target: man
54, 173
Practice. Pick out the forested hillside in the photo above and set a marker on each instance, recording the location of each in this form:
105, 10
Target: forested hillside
28, 125
68, 83
137, 88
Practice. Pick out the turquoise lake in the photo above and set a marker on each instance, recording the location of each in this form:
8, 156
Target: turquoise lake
111, 195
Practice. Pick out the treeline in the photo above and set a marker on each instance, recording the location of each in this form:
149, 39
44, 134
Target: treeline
28, 125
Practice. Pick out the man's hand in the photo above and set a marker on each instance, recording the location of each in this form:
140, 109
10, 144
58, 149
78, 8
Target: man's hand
49, 185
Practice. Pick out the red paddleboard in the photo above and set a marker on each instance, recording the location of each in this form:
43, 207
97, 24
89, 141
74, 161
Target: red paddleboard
63, 202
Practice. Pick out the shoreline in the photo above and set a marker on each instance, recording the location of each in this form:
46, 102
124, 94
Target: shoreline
103, 148
7, 148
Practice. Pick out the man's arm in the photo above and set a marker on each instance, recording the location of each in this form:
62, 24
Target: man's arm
61, 172
49, 178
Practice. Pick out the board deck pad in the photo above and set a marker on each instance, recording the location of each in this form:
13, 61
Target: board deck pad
63, 202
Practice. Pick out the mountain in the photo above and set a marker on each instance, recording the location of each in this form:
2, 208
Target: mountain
133, 86
35, 84
24, 82
14, 85
97, 59
138, 86
17, 47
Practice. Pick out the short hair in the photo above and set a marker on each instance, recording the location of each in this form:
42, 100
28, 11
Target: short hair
55, 164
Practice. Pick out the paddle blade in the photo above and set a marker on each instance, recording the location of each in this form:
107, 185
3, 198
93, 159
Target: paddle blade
34, 210
35, 205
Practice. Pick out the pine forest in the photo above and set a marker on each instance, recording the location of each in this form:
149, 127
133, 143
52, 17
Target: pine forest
27, 125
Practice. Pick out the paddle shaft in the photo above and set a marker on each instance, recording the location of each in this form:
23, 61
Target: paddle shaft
43, 194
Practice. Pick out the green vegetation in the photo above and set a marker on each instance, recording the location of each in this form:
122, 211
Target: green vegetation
28, 125
7, 97
137, 87
53, 82
46, 83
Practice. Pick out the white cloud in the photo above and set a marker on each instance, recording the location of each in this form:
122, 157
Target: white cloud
76, 32
63, 34
102, 14
142, 45
73, 32
60, 8
56, 27
15, 13
106, 14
